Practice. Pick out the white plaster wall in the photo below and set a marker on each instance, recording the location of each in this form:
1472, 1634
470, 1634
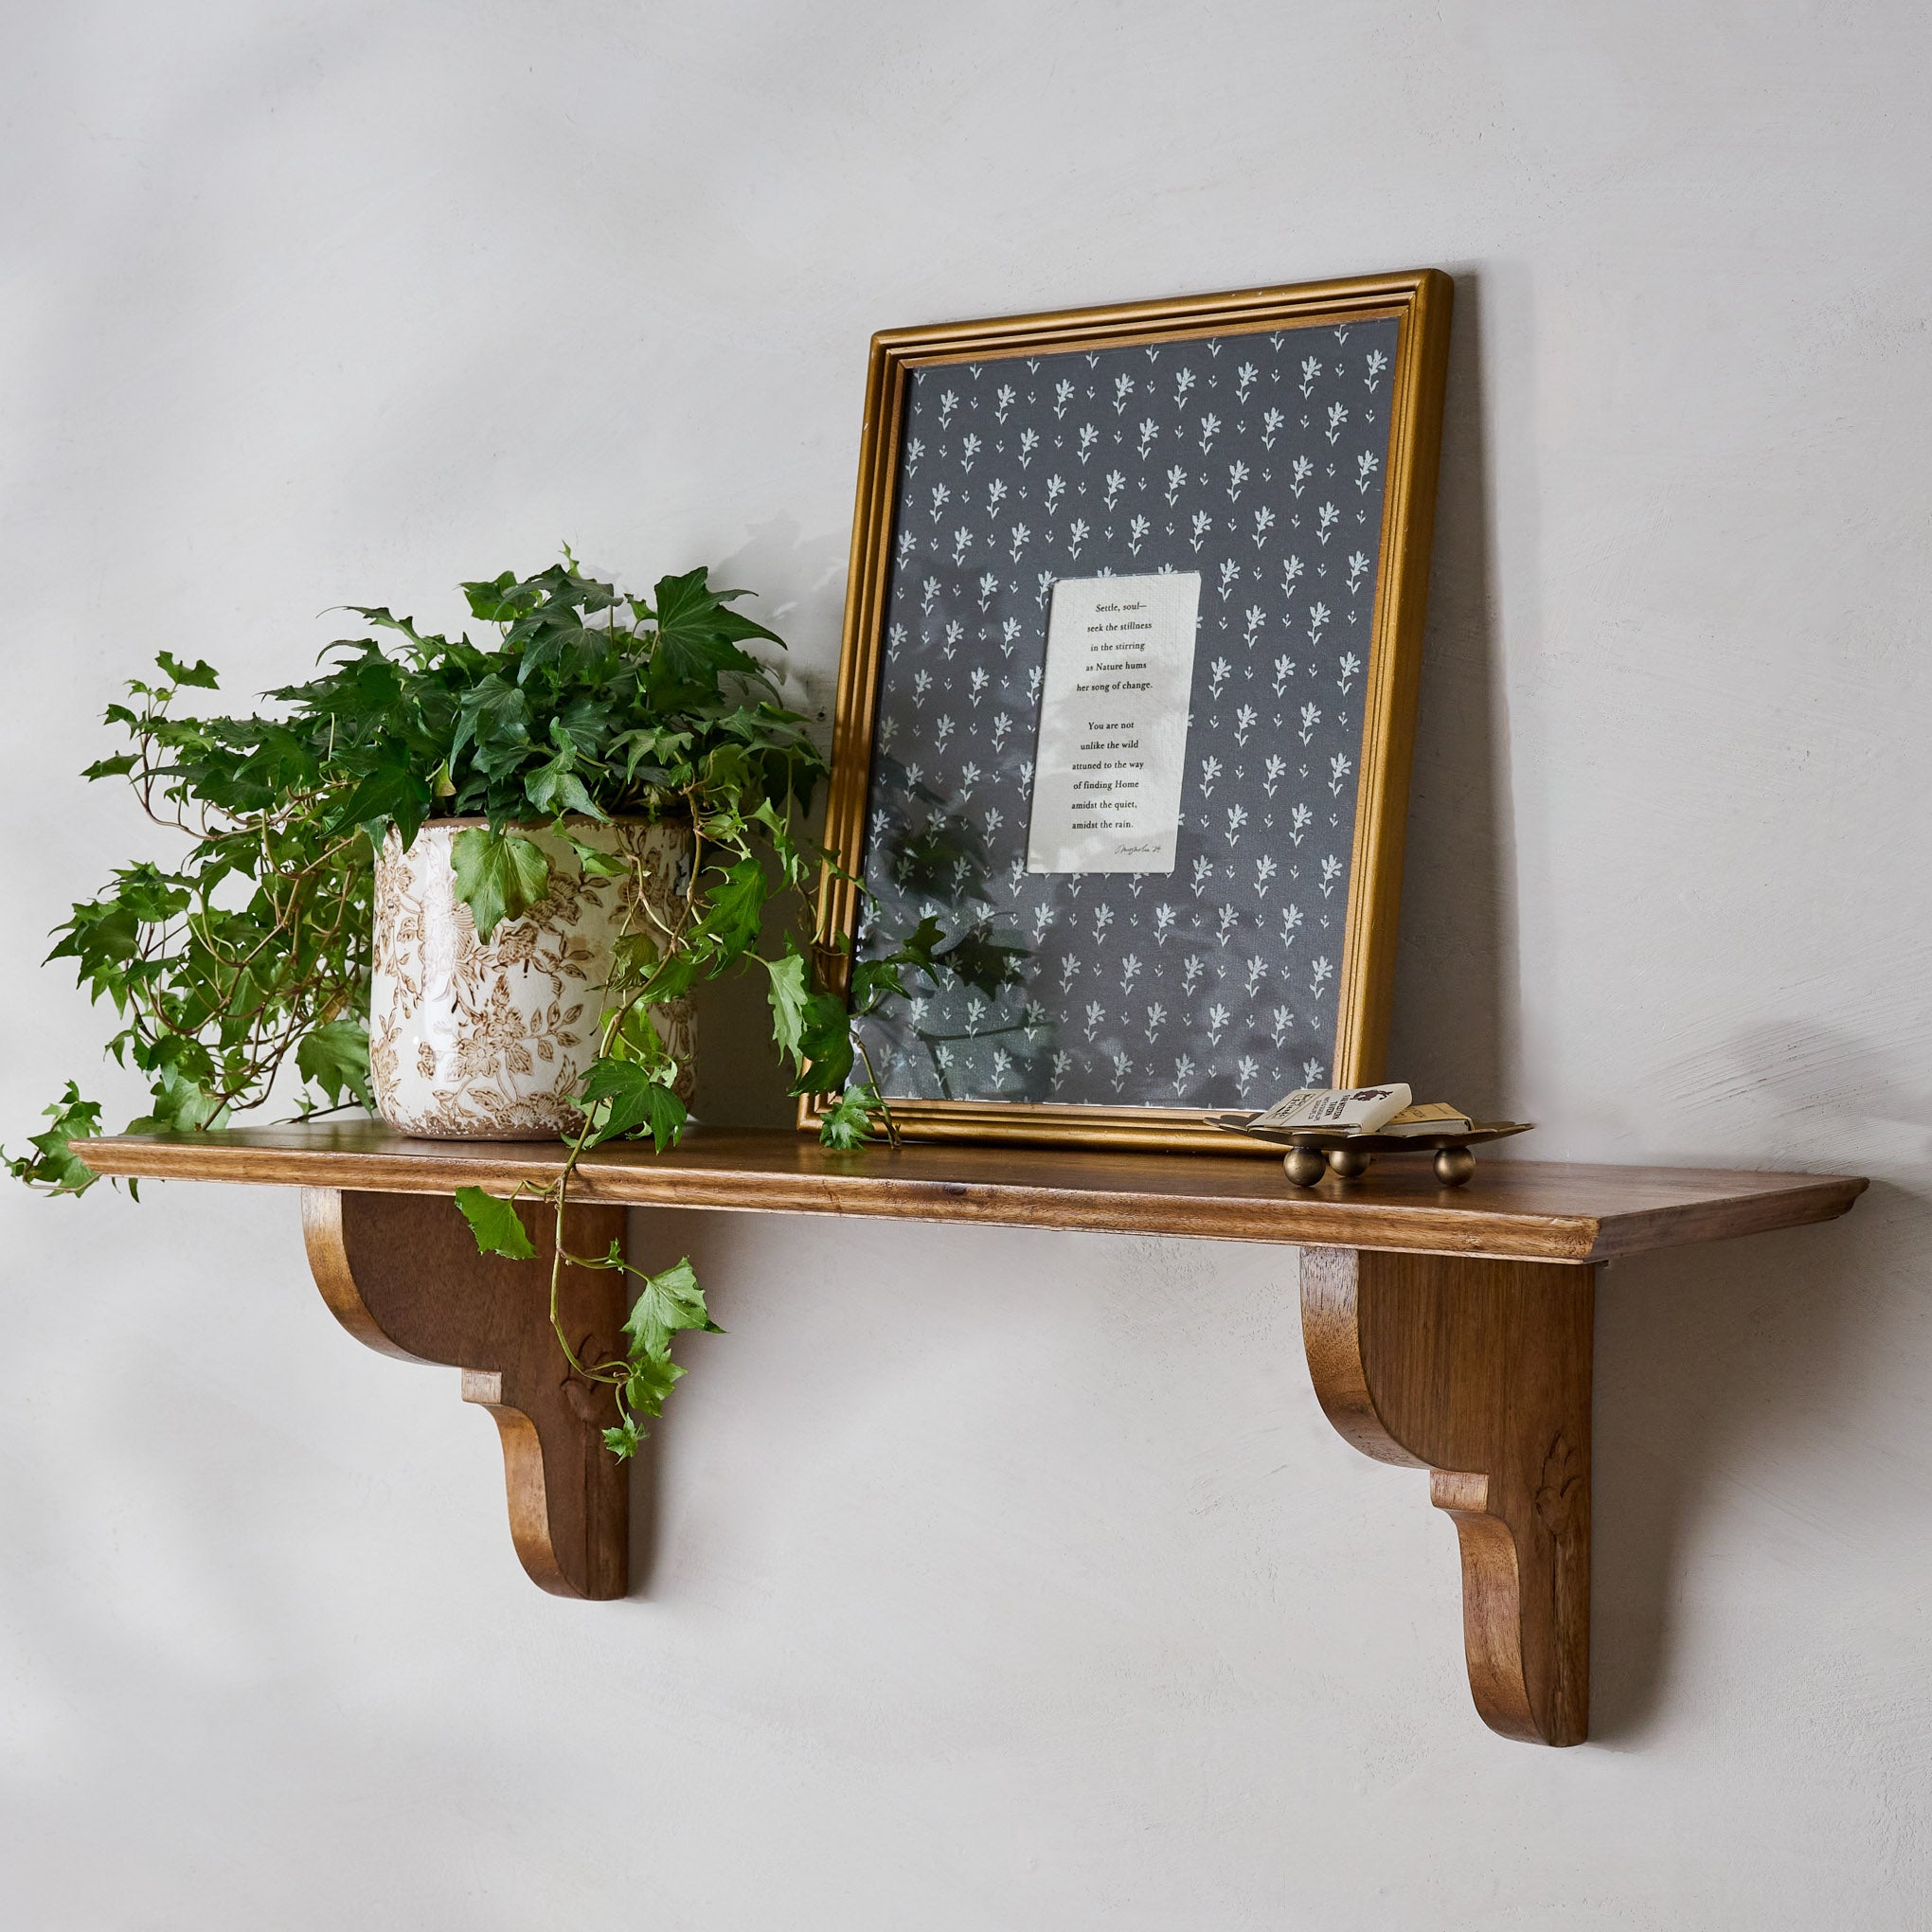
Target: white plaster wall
1001, 1580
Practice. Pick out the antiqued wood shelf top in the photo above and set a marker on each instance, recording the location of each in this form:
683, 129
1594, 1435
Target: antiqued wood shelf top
1527, 1210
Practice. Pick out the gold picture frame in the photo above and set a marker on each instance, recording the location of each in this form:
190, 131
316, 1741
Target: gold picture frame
1418, 305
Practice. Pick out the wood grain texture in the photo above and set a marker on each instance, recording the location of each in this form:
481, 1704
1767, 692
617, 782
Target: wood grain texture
1526, 1210
1478, 1372
402, 1274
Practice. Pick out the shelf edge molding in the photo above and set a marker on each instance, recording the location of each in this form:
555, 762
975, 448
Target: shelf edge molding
1479, 1373
402, 1274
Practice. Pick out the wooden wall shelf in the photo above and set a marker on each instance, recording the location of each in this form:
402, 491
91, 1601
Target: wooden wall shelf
1446, 1330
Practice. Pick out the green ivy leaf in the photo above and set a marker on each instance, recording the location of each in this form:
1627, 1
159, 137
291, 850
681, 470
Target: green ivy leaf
636, 1097
53, 1163
336, 1057
624, 1441
825, 1046
651, 1380
849, 1121
789, 994
590, 859
496, 1225
666, 1304
181, 1103
734, 911
698, 637
198, 674
499, 601
499, 876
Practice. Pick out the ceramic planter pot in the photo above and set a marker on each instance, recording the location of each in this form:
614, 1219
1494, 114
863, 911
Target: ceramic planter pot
475, 1042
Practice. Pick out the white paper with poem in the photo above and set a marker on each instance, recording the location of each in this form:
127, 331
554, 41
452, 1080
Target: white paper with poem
1114, 724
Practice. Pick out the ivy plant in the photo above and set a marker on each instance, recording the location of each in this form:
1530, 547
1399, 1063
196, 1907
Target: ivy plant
250, 948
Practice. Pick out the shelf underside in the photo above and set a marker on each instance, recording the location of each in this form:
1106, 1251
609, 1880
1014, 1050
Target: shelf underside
1532, 1211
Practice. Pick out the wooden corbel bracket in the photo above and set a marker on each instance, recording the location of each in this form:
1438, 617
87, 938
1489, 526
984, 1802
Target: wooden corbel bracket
1478, 1372
402, 1273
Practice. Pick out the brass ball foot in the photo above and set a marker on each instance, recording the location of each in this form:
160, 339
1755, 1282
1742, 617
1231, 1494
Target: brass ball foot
1453, 1166
1304, 1165
1348, 1163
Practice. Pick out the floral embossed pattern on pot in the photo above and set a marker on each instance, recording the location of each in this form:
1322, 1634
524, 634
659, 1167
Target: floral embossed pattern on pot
490, 1041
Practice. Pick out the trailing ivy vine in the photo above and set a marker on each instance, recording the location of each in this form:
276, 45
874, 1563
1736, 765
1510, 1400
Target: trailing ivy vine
252, 946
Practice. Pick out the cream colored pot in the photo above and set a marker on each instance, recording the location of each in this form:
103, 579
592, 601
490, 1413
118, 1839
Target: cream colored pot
475, 1042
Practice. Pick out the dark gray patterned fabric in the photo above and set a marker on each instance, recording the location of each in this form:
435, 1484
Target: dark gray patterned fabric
1257, 460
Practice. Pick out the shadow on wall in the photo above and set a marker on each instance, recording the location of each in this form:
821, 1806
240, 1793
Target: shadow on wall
1717, 1368
1456, 1019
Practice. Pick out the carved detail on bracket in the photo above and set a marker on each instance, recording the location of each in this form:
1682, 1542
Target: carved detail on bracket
401, 1272
1478, 1372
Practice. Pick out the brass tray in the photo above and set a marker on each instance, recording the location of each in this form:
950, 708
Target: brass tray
1313, 1152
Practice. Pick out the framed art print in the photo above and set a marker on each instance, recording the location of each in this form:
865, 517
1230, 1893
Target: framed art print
1127, 699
